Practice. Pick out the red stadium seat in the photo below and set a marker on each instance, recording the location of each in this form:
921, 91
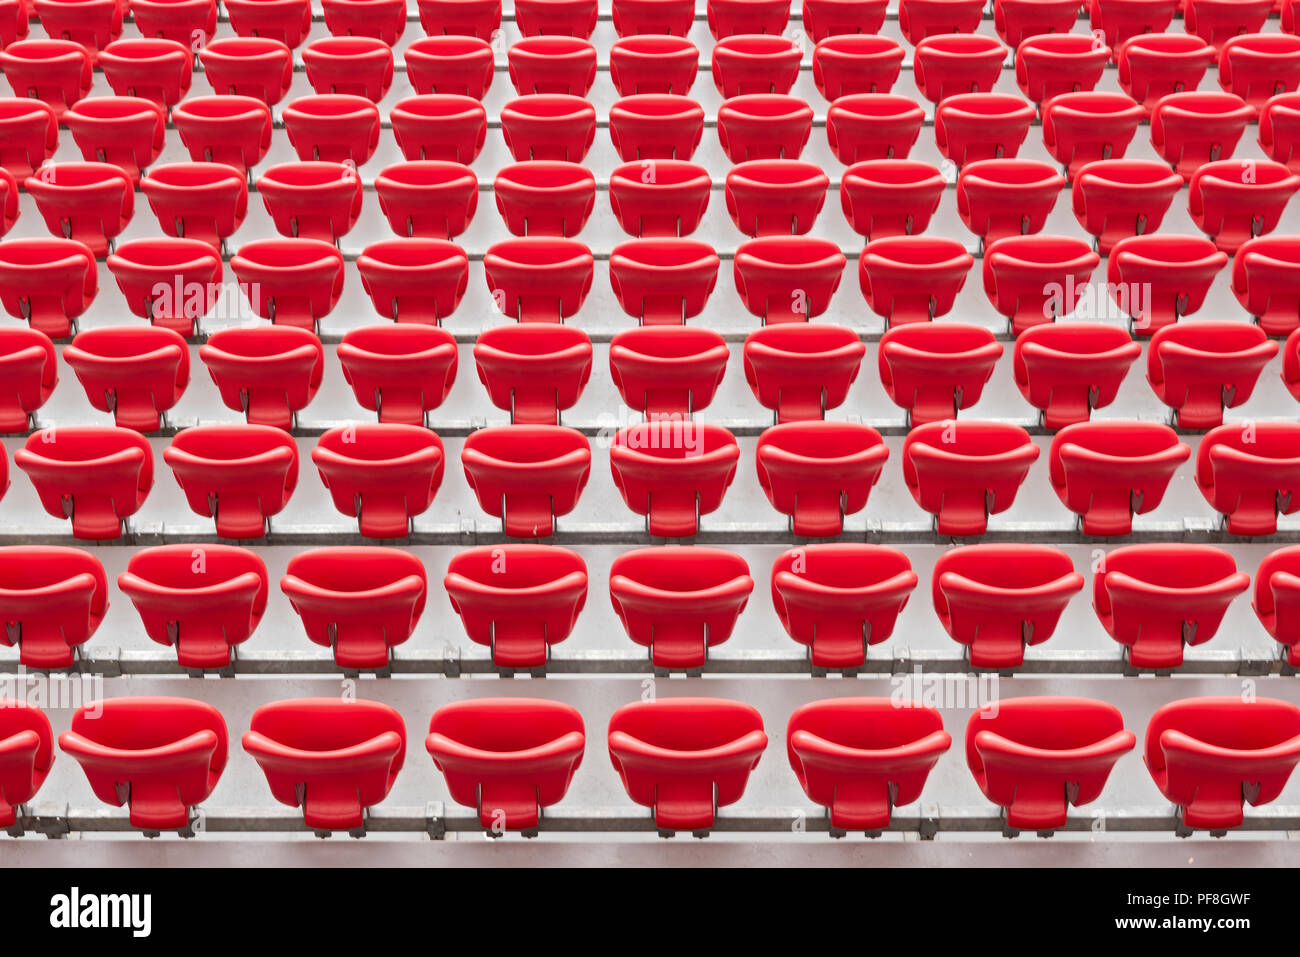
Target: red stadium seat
1251, 473
827, 18
533, 370
800, 370
399, 371
14, 21
755, 63
256, 67
355, 65
1067, 369
26, 755
205, 201
440, 126
934, 370
29, 135
541, 279
882, 198
527, 475
788, 279
1231, 203
653, 64
764, 126
1120, 20
976, 126
288, 21
673, 472
1114, 199
545, 198
655, 126
853, 64
731, 17
912, 278
1034, 280
239, 475
91, 203
663, 281
93, 24
1153, 65
1266, 281
997, 198
472, 18
1201, 368
185, 21
269, 374
552, 64
172, 282
918, 19
293, 282
157, 70
574, 18
456, 65
430, 199
1259, 66
1279, 130
98, 476
1020, 20
334, 127
1079, 128
659, 198
47, 282
548, 126
775, 197
667, 370
54, 599
312, 200
383, 19
1277, 588
950, 63
1215, 21
636, 17
382, 474
235, 130
56, 72
1192, 129
29, 365
1158, 278
414, 280
135, 373
818, 472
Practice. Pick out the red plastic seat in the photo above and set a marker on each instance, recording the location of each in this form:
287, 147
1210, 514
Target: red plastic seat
1114, 199
312, 200
29, 367
549, 126
442, 126
934, 370
818, 472
728, 18
157, 70
552, 64
430, 199
1216, 21
29, 135
573, 18
1259, 66
663, 282
851, 64
93, 24
545, 198
160, 756
239, 475
653, 64
679, 602
826, 18
1279, 130
1020, 20
382, 474
998, 599
1036, 757
517, 599
206, 201
1154, 599
333, 758
788, 279
533, 370
673, 472
256, 67
473, 18
912, 278
399, 371
1120, 20
775, 197
14, 21
671, 202
288, 21
204, 606
384, 20
636, 17
26, 755
882, 198
976, 126
1277, 587
1158, 278
1192, 129
655, 126
1153, 65
91, 203
135, 373
839, 598
334, 127
1079, 128
799, 370
457, 65
185, 21
527, 475
755, 63
414, 280
1107, 472
997, 198
360, 601
53, 599
1200, 368
1266, 281
98, 476
172, 282
294, 282
539, 279
1067, 369
355, 65
686, 757
1232, 204
948, 63
764, 126
1251, 475
47, 282
509, 758
1033, 280
918, 19
235, 130
56, 72
667, 370
268, 374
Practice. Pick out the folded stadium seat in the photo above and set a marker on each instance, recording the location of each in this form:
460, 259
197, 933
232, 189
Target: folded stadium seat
912, 278
439, 126
827, 18
360, 600
545, 197
872, 126
171, 281
539, 279
91, 203
47, 282
1216, 21
431, 199
552, 64
799, 370
1120, 20
655, 126
838, 598
1079, 128
527, 475
1277, 589
157, 70
572, 18
997, 599
1192, 129
775, 197
384, 20
636, 17
976, 126
679, 602
56, 72
1020, 20
517, 599
507, 757
1200, 368
26, 755
1266, 281
256, 67
160, 756
669, 203
91, 24
333, 127
136, 373
1251, 475
764, 126
548, 126
1067, 369
399, 371
239, 475
205, 601
182, 20
787, 279
1036, 757
1159, 278
686, 757
29, 366
1034, 280
728, 18
1231, 204
53, 599
316, 200
673, 472
850, 64
1107, 472
355, 65
1153, 65
882, 198
332, 757
1259, 66
270, 374
667, 370
918, 19
457, 65
98, 476
288, 21
1115, 199
997, 198
818, 472
293, 282
29, 135
205, 201
1210, 756
414, 280
755, 63
235, 130
964, 471
382, 474
533, 370
472, 18
948, 63
934, 370
1279, 130
653, 64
